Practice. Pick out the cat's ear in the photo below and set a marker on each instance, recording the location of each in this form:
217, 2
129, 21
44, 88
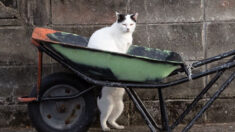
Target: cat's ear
117, 14
120, 17
134, 16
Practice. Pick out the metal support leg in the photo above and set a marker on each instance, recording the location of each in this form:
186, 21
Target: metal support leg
195, 101
210, 102
140, 106
165, 122
39, 71
202, 93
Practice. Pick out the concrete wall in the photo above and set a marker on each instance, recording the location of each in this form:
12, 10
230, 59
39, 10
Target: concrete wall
196, 29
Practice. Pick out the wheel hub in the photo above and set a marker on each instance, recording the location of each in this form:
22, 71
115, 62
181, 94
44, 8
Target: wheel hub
61, 114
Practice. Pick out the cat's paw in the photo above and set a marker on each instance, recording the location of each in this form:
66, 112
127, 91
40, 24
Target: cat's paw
116, 126
106, 129
119, 127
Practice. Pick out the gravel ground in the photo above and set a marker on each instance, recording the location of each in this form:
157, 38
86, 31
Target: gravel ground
219, 127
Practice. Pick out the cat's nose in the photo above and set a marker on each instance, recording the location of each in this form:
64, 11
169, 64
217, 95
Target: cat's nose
128, 29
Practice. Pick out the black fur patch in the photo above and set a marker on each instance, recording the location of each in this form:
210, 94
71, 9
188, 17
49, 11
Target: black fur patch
98, 91
133, 18
121, 18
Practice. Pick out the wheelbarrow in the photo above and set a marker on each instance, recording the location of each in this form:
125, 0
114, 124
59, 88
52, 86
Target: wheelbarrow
66, 102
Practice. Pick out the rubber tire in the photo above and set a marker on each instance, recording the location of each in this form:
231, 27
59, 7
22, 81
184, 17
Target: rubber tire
86, 118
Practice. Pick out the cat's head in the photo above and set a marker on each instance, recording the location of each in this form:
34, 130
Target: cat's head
126, 23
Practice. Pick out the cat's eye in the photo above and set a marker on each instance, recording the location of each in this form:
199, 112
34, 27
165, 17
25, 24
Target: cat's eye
131, 24
124, 24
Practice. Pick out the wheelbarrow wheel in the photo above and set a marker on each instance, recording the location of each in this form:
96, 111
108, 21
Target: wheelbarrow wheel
73, 115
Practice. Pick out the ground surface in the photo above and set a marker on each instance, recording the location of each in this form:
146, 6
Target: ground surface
221, 127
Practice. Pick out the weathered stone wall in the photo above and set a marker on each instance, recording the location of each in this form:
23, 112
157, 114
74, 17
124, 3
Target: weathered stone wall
196, 29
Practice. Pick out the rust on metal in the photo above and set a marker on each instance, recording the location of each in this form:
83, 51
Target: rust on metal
27, 99
62, 109
41, 33
49, 116
67, 90
39, 71
78, 106
66, 122
71, 116
35, 43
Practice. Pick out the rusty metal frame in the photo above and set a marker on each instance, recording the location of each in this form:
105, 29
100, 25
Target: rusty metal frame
39, 79
27, 99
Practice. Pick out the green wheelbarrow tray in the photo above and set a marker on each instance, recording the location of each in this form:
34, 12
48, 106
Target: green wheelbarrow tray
140, 64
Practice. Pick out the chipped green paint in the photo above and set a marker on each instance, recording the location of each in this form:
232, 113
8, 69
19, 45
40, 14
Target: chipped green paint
124, 68
151, 49
167, 51
63, 34
146, 48
155, 54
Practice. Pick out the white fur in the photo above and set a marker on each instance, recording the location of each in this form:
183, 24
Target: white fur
116, 38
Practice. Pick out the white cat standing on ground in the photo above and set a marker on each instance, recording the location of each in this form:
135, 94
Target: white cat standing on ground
116, 38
